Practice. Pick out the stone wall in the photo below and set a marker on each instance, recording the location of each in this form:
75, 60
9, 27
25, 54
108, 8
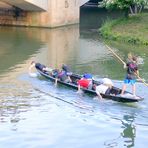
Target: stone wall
12, 17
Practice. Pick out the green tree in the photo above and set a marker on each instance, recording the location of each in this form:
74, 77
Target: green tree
134, 6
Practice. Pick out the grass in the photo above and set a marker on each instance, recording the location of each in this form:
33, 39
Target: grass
133, 30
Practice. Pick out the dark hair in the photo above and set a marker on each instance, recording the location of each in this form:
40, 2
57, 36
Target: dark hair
63, 66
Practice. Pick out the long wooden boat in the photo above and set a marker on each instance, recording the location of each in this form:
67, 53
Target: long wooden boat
115, 92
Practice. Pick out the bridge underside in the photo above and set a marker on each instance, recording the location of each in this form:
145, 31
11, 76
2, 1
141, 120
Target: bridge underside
44, 13
28, 5
82, 2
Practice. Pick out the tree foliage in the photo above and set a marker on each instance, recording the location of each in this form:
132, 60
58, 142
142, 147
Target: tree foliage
135, 6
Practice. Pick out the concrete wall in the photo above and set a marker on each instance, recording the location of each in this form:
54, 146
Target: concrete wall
64, 12
59, 13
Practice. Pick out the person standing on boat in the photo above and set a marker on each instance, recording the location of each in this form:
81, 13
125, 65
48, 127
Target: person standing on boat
104, 88
39, 66
85, 82
132, 73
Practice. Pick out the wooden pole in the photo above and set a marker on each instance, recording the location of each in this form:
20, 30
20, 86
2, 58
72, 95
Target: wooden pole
115, 54
142, 80
125, 63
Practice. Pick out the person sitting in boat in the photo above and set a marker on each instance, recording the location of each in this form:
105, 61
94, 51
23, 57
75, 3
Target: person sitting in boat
61, 75
39, 66
104, 88
55, 73
88, 76
66, 69
85, 82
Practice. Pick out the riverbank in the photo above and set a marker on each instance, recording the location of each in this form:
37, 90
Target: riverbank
133, 30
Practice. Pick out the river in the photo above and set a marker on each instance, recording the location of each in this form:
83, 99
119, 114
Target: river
34, 113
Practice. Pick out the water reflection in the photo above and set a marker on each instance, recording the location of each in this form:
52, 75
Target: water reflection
16, 46
129, 130
84, 53
61, 45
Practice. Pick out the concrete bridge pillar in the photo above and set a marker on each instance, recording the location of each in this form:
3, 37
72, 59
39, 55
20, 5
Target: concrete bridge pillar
59, 13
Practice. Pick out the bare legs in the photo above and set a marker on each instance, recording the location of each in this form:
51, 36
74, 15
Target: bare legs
123, 89
79, 88
133, 89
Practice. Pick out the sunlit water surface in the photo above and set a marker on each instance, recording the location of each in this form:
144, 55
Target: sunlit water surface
34, 113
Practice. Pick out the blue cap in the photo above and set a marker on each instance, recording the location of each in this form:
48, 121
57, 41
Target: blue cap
87, 76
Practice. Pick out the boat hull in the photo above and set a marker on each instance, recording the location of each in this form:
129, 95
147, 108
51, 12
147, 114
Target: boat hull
113, 97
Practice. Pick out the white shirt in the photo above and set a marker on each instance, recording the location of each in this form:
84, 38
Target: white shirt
101, 89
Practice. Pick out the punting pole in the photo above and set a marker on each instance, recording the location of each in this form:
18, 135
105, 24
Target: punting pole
125, 63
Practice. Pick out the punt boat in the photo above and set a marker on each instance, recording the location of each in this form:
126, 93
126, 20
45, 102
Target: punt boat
114, 94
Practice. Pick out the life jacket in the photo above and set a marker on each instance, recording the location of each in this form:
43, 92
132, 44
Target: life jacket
132, 68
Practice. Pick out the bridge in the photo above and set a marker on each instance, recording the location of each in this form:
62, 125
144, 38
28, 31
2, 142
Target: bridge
45, 13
